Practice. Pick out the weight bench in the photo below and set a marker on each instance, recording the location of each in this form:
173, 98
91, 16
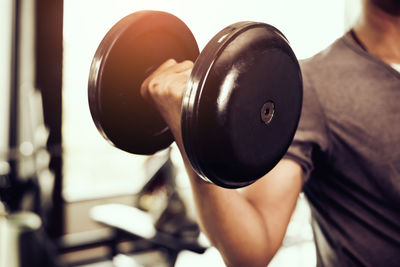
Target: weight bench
138, 225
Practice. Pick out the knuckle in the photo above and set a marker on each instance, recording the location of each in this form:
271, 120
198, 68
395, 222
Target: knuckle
171, 61
153, 86
188, 63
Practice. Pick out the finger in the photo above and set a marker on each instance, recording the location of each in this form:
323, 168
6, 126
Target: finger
187, 72
162, 68
168, 67
168, 63
182, 66
180, 82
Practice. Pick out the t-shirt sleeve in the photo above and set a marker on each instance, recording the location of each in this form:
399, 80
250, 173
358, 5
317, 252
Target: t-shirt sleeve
312, 132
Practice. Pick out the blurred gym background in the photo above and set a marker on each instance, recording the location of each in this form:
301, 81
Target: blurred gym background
68, 198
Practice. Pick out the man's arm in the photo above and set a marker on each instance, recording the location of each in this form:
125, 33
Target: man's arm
247, 226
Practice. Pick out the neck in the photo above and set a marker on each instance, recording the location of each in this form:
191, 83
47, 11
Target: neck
380, 33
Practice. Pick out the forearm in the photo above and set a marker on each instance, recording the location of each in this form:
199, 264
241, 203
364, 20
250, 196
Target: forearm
232, 223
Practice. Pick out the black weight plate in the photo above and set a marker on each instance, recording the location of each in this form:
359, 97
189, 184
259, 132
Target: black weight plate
242, 105
129, 52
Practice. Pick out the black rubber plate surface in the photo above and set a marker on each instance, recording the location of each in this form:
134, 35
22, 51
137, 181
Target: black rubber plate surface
130, 51
242, 68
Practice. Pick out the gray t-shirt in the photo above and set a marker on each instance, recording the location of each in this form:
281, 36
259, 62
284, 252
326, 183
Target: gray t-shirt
348, 144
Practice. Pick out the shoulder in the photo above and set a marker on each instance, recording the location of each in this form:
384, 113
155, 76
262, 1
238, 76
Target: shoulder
326, 74
327, 62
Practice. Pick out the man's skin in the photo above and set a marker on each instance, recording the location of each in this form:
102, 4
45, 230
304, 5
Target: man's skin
380, 31
247, 226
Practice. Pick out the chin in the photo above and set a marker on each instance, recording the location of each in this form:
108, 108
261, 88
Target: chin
391, 7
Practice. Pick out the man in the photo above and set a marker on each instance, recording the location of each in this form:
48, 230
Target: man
345, 155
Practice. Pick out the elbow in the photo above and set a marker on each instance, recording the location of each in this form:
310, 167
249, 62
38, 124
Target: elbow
251, 262
255, 257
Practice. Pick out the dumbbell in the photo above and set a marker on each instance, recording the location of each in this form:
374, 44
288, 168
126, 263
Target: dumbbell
240, 109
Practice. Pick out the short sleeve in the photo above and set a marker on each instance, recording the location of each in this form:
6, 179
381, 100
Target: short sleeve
312, 132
